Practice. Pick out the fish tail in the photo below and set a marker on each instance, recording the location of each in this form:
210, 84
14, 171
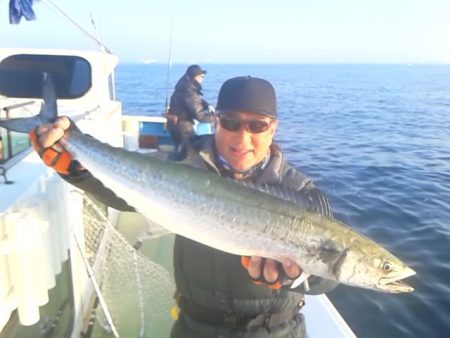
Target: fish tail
47, 114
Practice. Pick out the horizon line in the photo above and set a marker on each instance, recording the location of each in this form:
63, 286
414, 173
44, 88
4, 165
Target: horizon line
287, 63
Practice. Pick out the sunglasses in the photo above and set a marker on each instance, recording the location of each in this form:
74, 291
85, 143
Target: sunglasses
255, 126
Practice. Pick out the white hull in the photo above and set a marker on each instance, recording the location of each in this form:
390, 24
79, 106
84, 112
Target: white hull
40, 214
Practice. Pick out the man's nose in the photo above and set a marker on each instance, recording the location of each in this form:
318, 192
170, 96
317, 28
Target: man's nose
244, 135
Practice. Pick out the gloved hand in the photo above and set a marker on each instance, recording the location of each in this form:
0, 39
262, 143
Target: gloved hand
273, 273
45, 141
173, 119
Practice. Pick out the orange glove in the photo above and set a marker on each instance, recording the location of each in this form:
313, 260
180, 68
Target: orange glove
245, 261
55, 156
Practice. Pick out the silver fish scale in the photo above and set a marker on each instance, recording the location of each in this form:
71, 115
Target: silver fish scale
195, 204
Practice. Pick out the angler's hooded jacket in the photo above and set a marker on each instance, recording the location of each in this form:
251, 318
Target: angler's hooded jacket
187, 103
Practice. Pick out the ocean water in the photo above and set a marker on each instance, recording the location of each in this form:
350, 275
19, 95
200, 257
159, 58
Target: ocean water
376, 140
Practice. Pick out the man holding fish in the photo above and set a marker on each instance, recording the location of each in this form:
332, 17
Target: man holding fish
214, 291
261, 234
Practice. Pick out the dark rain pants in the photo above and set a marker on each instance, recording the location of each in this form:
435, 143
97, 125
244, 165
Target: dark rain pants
180, 132
187, 327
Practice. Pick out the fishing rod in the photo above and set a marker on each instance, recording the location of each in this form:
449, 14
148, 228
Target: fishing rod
100, 42
169, 67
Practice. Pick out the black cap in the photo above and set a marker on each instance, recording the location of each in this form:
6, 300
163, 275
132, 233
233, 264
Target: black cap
246, 93
194, 70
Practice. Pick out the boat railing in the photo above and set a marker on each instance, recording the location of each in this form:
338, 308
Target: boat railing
12, 143
13, 146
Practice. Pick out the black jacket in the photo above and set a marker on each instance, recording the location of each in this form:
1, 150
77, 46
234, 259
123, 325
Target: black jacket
187, 103
216, 280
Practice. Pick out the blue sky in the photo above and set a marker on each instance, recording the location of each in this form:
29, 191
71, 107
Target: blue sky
246, 31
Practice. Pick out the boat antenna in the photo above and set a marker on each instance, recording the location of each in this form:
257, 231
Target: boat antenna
169, 68
73, 22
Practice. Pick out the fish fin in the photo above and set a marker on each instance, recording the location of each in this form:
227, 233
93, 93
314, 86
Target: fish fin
21, 125
330, 251
49, 108
302, 279
310, 199
47, 114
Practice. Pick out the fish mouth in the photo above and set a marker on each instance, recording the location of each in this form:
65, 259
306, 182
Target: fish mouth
395, 284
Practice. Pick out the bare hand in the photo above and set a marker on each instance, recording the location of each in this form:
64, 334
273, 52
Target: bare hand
172, 119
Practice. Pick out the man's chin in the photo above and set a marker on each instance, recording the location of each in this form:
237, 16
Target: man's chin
240, 167
241, 163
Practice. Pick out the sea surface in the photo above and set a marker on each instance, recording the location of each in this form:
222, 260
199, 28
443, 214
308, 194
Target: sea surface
376, 140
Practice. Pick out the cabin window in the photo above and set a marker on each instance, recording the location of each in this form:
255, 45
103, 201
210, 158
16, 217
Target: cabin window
21, 75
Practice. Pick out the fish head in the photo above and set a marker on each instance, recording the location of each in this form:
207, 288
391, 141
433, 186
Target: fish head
375, 268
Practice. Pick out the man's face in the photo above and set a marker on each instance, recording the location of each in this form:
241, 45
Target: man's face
243, 149
199, 78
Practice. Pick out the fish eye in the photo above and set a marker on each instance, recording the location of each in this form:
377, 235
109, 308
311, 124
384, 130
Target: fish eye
387, 266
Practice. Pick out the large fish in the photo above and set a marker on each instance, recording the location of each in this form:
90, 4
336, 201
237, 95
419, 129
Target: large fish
230, 216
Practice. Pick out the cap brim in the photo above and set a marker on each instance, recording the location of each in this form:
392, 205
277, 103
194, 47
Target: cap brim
229, 111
